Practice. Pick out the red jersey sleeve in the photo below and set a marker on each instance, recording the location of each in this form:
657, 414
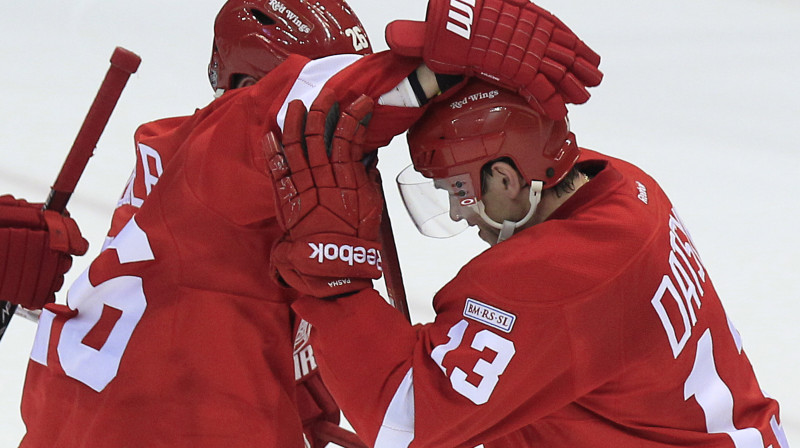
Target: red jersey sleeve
350, 76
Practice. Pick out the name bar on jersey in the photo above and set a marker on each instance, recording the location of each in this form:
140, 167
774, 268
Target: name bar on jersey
489, 315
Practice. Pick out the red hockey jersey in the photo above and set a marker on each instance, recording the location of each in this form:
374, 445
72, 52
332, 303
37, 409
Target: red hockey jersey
176, 335
598, 328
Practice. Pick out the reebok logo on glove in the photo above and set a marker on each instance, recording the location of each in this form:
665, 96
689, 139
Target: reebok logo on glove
461, 16
346, 253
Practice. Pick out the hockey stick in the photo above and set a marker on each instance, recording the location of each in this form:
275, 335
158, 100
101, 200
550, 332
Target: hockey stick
392, 275
123, 64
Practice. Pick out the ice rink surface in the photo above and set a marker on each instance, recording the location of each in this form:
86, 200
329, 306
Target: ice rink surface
702, 94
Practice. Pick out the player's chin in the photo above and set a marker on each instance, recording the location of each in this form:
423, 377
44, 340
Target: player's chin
488, 234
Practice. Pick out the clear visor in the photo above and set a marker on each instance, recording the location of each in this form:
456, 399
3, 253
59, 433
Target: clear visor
438, 207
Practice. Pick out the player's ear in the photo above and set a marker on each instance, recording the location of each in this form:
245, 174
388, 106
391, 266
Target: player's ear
507, 178
245, 81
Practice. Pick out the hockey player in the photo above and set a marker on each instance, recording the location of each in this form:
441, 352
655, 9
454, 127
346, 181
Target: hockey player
251, 38
590, 322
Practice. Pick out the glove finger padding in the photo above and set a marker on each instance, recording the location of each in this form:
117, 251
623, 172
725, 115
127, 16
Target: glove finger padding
36, 249
326, 203
19, 213
64, 234
506, 42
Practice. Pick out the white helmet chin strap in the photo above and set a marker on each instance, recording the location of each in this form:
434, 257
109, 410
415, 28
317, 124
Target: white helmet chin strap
507, 228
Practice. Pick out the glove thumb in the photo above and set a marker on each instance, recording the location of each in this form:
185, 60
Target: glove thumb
406, 37
64, 234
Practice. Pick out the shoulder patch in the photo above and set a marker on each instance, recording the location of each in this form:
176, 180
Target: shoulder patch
489, 315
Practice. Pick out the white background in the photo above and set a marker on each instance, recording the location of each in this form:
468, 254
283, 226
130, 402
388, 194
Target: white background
703, 94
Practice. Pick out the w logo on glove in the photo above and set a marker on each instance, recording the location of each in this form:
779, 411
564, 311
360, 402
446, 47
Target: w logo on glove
460, 17
511, 43
326, 203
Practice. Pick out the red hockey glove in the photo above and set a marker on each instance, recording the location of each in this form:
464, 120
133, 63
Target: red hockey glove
36, 249
512, 43
325, 201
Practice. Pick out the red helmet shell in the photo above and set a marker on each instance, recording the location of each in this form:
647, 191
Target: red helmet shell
482, 122
251, 37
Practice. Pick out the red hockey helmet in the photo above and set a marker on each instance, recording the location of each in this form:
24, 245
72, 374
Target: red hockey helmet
251, 37
482, 122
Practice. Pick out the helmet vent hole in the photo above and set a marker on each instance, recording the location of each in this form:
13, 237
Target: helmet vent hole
262, 18
551, 172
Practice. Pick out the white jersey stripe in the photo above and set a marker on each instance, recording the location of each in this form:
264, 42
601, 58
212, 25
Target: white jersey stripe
397, 429
312, 78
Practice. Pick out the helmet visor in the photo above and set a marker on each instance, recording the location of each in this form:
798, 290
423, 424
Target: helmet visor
438, 207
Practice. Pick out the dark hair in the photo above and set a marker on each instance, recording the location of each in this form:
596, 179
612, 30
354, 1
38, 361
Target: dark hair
566, 186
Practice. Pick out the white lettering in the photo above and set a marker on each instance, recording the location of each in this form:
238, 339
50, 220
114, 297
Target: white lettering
688, 293
489, 315
303, 335
290, 15
462, 14
359, 38
345, 253
359, 255
128, 197
675, 342
340, 282
642, 191
675, 225
458, 104
304, 362
317, 251
151, 172
277, 6
331, 251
